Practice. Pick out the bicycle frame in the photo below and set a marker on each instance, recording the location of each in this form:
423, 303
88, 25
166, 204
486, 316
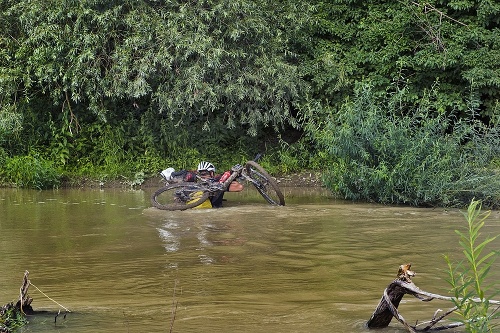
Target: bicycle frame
214, 187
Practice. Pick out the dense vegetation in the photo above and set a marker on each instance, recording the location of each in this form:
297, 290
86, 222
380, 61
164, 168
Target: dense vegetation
391, 152
395, 101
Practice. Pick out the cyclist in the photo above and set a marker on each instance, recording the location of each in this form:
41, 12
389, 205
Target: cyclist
205, 170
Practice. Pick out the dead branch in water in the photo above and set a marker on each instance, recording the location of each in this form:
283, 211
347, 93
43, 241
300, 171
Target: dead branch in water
392, 296
13, 316
24, 301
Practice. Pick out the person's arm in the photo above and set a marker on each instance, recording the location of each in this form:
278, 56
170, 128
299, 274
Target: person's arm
235, 186
190, 176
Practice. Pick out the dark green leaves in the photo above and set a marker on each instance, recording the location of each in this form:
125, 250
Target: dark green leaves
392, 152
200, 60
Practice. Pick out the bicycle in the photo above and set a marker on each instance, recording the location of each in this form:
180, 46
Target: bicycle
185, 195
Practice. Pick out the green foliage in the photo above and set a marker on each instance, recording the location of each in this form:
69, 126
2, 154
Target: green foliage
61, 143
31, 171
412, 43
10, 122
390, 152
104, 87
3, 156
101, 87
294, 157
200, 61
11, 318
468, 278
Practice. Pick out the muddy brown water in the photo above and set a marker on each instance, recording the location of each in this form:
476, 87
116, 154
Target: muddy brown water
317, 265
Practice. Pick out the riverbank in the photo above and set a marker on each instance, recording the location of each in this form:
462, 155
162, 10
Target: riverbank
301, 179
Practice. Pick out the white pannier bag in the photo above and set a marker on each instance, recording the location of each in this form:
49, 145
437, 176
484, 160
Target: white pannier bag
167, 173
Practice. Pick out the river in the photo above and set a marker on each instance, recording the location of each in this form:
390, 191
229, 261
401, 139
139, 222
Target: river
318, 264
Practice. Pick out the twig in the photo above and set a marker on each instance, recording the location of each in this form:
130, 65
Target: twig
435, 319
429, 8
62, 306
175, 302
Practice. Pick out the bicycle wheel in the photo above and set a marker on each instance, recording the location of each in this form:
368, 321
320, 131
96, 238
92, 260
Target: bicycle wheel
180, 196
266, 186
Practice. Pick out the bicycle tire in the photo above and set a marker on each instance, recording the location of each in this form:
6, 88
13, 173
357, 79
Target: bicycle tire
180, 196
263, 182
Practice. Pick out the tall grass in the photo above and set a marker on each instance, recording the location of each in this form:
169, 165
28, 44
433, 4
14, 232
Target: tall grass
390, 151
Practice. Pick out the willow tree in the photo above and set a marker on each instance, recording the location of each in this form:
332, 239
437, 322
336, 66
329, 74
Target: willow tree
406, 99
157, 66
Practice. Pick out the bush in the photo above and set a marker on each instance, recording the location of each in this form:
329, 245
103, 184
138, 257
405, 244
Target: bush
292, 157
390, 152
31, 171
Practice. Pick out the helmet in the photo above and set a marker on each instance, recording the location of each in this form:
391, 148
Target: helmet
206, 166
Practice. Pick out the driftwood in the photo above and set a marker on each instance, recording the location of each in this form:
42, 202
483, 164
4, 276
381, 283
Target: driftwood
393, 294
21, 308
24, 301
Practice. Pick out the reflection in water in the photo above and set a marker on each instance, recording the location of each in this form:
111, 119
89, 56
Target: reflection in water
315, 265
168, 235
172, 232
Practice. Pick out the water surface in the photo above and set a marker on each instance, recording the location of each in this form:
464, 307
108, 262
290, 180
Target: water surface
315, 265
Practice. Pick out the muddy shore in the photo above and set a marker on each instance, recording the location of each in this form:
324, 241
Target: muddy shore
302, 179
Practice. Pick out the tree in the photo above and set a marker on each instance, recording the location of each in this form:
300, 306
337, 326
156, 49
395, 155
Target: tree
410, 44
111, 81
187, 60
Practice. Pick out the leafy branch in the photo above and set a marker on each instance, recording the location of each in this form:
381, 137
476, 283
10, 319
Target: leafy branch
468, 278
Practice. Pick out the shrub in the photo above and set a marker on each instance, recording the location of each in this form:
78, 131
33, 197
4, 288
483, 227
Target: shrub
390, 152
31, 171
